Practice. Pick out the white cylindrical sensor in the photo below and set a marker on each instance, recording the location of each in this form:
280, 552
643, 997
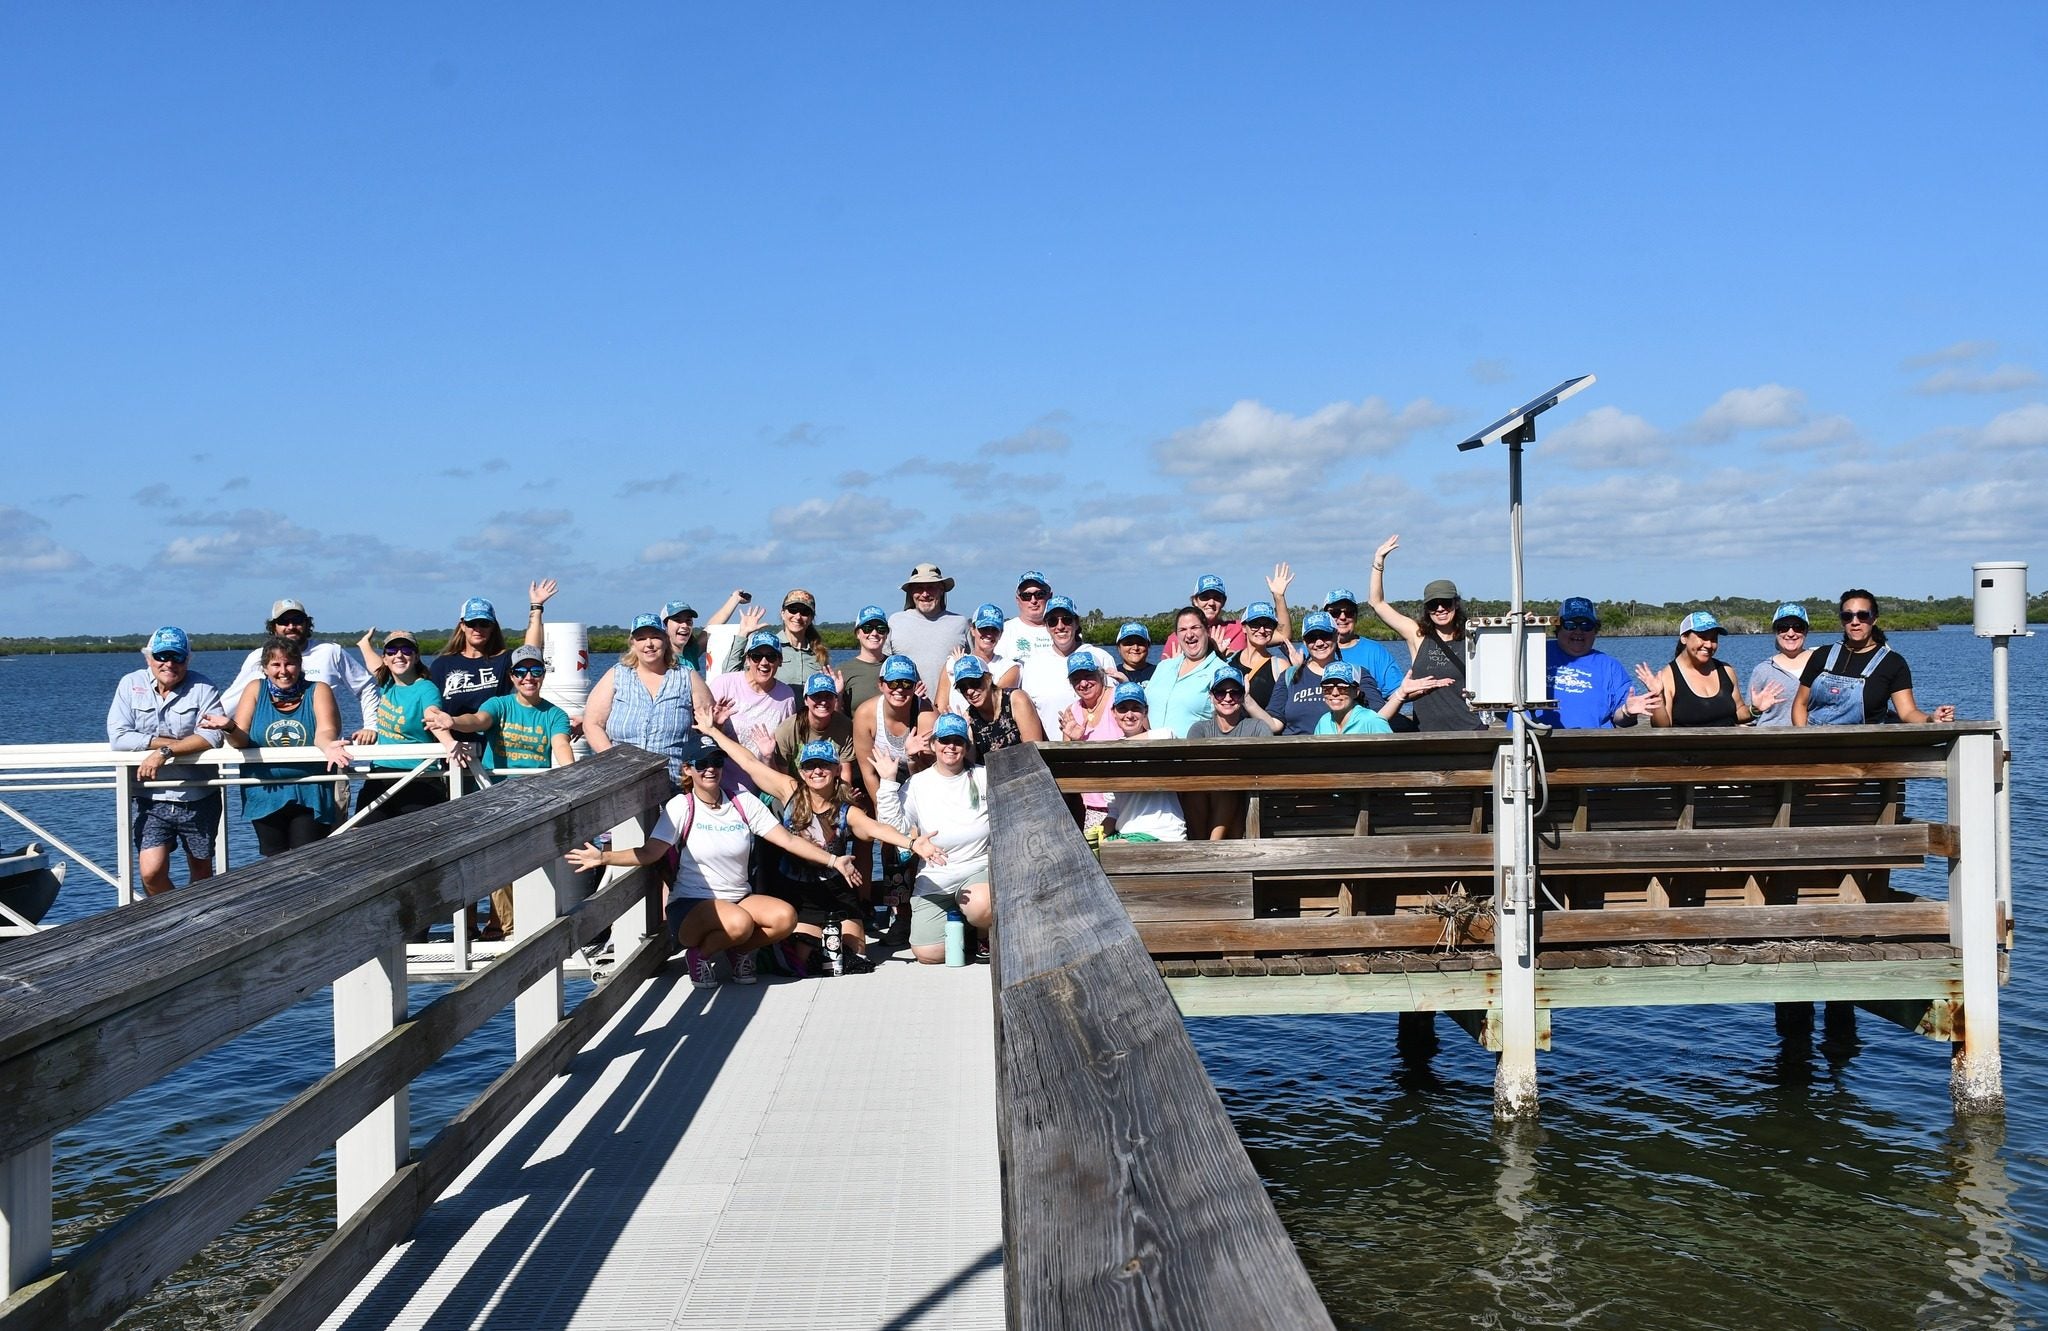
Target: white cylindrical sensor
1998, 594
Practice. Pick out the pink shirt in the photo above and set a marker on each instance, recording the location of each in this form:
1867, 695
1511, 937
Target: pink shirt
1105, 728
751, 708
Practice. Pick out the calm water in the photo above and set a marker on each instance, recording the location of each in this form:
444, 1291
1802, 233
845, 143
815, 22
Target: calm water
1689, 1168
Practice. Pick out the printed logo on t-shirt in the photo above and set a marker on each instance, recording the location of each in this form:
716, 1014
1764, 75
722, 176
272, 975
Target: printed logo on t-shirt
1571, 679
285, 733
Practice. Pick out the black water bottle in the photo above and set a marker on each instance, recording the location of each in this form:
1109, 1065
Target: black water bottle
835, 948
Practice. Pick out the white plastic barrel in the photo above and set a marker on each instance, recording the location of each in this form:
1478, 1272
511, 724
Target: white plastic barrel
717, 641
567, 683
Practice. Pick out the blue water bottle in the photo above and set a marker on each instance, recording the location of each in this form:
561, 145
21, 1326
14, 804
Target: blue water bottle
956, 938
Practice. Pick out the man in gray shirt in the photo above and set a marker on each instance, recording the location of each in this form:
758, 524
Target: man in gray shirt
924, 630
162, 708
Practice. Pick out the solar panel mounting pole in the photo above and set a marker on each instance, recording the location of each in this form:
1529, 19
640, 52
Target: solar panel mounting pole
1514, 1082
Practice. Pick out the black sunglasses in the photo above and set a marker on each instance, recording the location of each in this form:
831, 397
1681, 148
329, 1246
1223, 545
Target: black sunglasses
1859, 616
1579, 625
799, 610
1431, 607
1023, 595
167, 656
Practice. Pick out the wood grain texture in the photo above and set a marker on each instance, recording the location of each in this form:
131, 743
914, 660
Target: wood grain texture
1128, 1200
1217, 896
124, 998
326, 1277
1905, 919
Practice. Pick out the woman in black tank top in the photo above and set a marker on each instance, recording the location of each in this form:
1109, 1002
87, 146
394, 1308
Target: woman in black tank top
1436, 647
1697, 690
994, 719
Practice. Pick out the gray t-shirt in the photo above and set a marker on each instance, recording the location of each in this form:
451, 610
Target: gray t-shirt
928, 642
1248, 727
1780, 712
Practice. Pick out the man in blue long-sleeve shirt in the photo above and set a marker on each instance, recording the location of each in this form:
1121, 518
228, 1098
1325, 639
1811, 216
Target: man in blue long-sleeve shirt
160, 708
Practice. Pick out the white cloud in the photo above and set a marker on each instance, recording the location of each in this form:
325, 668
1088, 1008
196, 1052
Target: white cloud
847, 521
1820, 432
1606, 438
26, 546
1252, 447
527, 529
2004, 379
1952, 354
1047, 434
243, 538
1765, 407
2022, 427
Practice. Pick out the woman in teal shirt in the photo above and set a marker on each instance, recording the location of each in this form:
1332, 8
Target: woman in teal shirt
405, 696
285, 710
1340, 695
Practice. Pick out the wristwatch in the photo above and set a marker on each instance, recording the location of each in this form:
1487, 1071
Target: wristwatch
165, 750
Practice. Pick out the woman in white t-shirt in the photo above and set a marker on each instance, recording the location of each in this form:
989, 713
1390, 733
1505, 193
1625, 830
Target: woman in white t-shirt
947, 802
712, 908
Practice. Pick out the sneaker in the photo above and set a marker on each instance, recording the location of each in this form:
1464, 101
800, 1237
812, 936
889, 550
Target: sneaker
703, 970
743, 966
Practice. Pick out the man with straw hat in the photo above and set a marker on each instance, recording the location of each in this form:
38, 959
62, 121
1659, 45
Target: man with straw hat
924, 630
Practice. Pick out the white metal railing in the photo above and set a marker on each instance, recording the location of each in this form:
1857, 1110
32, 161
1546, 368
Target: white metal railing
49, 768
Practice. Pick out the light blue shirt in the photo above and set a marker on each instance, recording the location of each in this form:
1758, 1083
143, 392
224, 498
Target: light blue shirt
140, 716
1357, 721
1177, 701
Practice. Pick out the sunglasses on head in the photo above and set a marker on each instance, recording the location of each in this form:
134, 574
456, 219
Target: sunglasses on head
528, 671
1859, 616
167, 657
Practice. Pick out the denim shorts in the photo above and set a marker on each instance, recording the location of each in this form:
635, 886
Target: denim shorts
187, 823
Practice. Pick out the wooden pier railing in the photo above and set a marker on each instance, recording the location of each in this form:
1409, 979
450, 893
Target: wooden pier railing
1365, 879
1127, 1198
92, 1011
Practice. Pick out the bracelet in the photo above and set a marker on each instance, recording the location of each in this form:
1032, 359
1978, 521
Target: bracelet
533, 605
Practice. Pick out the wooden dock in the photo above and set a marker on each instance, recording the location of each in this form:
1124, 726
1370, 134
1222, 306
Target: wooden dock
893, 1149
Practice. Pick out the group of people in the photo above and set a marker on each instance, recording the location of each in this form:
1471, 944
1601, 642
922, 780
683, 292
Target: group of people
798, 781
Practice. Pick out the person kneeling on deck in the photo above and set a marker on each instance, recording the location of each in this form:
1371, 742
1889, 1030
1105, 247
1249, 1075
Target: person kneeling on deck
946, 803
1141, 815
819, 804
710, 909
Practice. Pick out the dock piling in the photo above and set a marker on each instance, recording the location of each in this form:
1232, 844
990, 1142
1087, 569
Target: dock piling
1976, 1078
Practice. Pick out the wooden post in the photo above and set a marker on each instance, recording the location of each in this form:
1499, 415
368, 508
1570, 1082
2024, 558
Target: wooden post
1976, 1080
368, 1002
1514, 1077
124, 834
25, 1215
538, 897
458, 933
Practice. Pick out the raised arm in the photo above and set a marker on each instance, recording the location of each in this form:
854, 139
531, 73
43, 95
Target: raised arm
1659, 683
1277, 582
1376, 592
770, 778
806, 849
537, 596
366, 648
1260, 714
724, 612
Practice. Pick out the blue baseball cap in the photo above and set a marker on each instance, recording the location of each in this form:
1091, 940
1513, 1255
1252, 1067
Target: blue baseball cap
818, 751
1059, 603
1031, 577
988, 615
1261, 612
950, 726
761, 640
818, 683
1699, 621
1082, 662
1206, 584
644, 622
1130, 691
1227, 675
1791, 610
969, 667
1341, 672
475, 608
1576, 609
1340, 596
1133, 629
899, 667
170, 640
872, 614
677, 609
1318, 621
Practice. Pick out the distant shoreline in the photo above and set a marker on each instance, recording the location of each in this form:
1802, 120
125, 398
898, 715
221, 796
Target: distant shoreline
1619, 620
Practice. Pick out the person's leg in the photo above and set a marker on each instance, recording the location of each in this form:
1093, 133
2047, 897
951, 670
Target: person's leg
928, 927
977, 906
153, 837
271, 836
713, 926
773, 920
196, 837
1195, 809
305, 829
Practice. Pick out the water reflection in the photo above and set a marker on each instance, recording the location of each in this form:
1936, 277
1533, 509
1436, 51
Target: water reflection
1747, 1183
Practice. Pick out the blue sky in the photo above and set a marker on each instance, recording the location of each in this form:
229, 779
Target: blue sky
385, 305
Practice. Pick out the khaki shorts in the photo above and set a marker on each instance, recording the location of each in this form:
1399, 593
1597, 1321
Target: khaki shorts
928, 918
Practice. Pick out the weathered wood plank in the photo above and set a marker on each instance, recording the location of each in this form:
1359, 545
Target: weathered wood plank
1848, 920
1217, 896
1749, 982
206, 966
118, 1267
319, 1283
1324, 934
1127, 1198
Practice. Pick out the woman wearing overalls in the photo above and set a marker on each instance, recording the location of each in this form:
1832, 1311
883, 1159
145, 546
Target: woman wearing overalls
1860, 680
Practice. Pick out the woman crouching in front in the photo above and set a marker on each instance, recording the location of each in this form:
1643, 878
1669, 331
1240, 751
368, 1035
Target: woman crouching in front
711, 909
948, 803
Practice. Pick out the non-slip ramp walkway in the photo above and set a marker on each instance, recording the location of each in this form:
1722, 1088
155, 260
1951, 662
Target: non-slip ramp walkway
801, 1154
